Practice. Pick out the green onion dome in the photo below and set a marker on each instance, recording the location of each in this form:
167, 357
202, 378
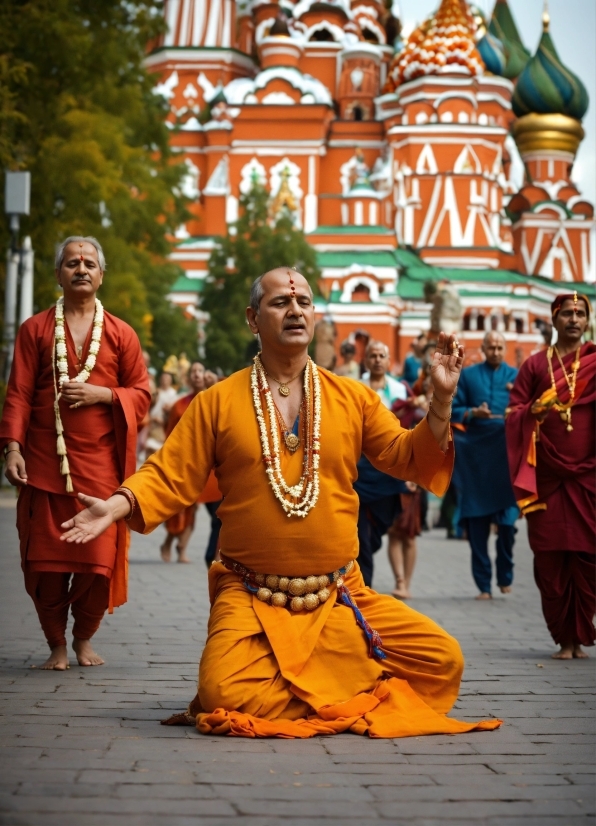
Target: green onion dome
502, 26
492, 53
548, 87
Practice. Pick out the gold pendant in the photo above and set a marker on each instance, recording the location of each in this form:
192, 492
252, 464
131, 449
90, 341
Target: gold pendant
284, 390
292, 442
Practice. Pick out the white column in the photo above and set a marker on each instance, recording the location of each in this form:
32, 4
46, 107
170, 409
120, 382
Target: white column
26, 306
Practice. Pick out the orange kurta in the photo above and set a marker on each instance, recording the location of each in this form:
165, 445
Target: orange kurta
100, 440
266, 670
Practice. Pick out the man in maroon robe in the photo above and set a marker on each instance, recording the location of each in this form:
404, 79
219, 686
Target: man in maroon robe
551, 447
86, 440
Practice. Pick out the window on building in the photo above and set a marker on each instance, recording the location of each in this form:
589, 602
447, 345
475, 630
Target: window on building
357, 113
519, 325
361, 293
480, 322
322, 36
466, 322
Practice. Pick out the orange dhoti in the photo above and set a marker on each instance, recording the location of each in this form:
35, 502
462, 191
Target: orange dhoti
269, 672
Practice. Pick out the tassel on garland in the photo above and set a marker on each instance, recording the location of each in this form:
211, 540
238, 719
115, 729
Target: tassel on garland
61, 446
64, 466
69, 487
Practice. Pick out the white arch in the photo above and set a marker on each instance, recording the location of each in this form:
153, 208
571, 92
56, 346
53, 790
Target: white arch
351, 284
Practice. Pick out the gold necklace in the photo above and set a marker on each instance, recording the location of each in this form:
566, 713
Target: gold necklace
290, 438
283, 388
564, 410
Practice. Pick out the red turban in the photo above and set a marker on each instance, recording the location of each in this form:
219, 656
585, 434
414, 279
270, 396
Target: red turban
575, 297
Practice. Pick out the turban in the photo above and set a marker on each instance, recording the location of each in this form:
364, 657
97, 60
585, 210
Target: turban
575, 297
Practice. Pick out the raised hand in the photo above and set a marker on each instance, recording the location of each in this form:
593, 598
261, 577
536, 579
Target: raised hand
90, 523
446, 366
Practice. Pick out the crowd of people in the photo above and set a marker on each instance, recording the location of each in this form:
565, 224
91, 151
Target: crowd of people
305, 471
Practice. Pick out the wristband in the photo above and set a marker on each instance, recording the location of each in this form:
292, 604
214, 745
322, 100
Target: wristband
132, 501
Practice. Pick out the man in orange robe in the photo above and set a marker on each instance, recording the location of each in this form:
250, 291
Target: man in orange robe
182, 524
99, 418
357, 661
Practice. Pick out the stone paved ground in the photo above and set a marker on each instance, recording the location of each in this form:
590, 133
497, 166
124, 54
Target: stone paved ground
84, 748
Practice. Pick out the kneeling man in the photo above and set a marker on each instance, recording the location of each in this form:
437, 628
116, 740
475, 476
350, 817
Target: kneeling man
297, 644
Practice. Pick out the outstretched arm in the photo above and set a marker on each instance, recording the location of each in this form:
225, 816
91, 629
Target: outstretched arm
445, 371
95, 519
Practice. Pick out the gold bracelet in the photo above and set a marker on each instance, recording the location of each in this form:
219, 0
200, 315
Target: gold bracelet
441, 418
11, 450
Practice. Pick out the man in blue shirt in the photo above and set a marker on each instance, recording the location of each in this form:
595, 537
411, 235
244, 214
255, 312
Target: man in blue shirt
379, 493
481, 469
413, 362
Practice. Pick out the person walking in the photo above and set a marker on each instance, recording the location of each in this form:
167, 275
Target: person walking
551, 442
77, 392
481, 471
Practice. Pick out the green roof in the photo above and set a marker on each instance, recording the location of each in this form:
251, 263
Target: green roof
345, 258
184, 284
351, 230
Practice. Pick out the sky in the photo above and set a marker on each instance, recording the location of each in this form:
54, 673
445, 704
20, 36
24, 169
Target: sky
573, 30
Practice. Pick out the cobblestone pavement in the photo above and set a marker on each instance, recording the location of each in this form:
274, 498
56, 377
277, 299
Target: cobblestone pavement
84, 748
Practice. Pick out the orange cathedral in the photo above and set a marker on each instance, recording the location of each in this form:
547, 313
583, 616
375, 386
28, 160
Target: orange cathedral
397, 157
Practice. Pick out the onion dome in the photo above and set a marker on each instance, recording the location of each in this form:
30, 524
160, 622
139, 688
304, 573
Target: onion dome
546, 86
443, 44
502, 26
492, 53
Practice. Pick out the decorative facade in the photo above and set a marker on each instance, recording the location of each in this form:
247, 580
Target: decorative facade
394, 157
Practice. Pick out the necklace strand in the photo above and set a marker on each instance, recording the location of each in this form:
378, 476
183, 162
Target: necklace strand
564, 410
60, 361
283, 388
299, 499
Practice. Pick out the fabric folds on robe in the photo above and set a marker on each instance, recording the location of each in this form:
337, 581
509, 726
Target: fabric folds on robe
100, 440
267, 672
553, 470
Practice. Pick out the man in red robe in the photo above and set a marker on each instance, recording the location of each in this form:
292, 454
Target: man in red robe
551, 446
182, 524
77, 391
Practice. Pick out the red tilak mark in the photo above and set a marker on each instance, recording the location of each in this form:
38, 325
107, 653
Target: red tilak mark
82, 259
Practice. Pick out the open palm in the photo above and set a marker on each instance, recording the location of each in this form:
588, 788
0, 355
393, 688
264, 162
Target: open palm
88, 524
446, 366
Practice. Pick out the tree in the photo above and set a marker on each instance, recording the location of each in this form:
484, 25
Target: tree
253, 245
79, 111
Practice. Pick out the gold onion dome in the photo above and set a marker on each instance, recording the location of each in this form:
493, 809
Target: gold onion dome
502, 26
549, 101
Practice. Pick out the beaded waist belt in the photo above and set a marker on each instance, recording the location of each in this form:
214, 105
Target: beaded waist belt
304, 593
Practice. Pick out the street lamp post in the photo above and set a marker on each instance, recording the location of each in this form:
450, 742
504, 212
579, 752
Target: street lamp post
16, 203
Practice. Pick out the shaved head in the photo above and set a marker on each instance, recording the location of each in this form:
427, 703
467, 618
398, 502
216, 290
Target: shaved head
257, 289
493, 347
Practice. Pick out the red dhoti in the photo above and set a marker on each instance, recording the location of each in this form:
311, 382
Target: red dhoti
567, 584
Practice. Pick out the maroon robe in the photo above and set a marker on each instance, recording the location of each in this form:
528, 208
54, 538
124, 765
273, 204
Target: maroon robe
553, 472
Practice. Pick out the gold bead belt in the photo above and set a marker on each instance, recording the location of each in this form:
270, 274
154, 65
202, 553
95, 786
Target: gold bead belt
296, 593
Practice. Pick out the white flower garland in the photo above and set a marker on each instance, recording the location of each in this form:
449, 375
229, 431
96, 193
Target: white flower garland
299, 499
59, 360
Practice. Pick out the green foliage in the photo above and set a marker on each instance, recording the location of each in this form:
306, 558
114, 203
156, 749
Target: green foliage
252, 247
78, 110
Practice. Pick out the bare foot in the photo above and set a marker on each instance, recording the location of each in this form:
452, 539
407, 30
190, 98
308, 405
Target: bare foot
401, 593
505, 589
85, 653
565, 653
579, 653
183, 558
166, 552
57, 661
484, 595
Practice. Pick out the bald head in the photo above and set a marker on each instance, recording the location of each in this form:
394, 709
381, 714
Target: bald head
493, 347
283, 274
281, 311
